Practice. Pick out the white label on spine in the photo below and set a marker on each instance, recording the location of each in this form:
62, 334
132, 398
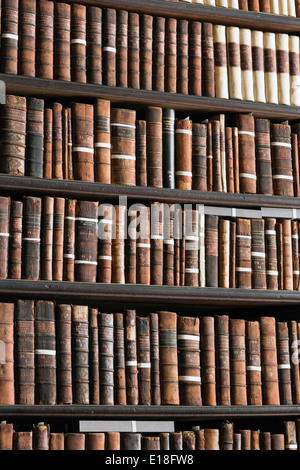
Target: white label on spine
144, 365
248, 175
191, 238
10, 36
82, 149
296, 272
243, 270
252, 134
104, 145
209, 156
32, 239
4, 234
109, 49
183, 131
258, 254
46, 352
248, 237
281, 144
120, 124
123, 157
143, 245
291, 446
272, 273
284, 366
189, 378
169, 242
131, 363
86, 219
78, 41
81, 261
183, 173
270, 232
109, 258
69, 256
295, 236
189, 337
283, 177
191, 270
70, 218
106, 221
256, 368
157, 237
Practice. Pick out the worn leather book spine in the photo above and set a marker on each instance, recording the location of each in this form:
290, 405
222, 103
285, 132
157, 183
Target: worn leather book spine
58, 238
270, 68
83, 141
143, 248
212, 439
168, 357
154, 144
263, 156
246, 439
199, 159
257, 40
131, 441
171, 55
168, 136
247, 162
283, 68
232, 251
57, 142
158, 78
150, 443
291, 8
47, 239
109, 50
282, 159
131, 358
287, 255
294, 62
188, 339
295, 164
122, 49
78, 43
258, 254
48, 137
271, 254
146, 51
34, 138
237, 441
45, 34
223, 153
220, 57
195, 58
15, 243
237, 341
22, 440
295, 254
80, 354
216, 156
105, 231
157, 243
291, 442
189, 440
133, 50
41, 437
69, 240
226, 436
94, 357
236, 164
182, 57
277, 442
295, 375
283, 7
253, 5
176, 442
6, 436
182, 262
102, 145
164, 441
154, 356
183, 156
118, 247
211, 250
269, 361
119, 360
112, 441
234, 63
74, 441
208, 361
86, 241
265, 441
224, 253
13, 135
45, 353
143, 360
191, 247
279, 242
94, 45
123, 155
200, 439
9, 36
64, 353
130, 248
253, 361
95, 441
243, 254
284, 364
31, 238
246, 64
177, 242
24, 352
265, 6
5, 208
222, 360
106, 358
62, 41
274, 7
27, 35
67, 149
210, 158
255, 440
229, 160
141, 154
208, 61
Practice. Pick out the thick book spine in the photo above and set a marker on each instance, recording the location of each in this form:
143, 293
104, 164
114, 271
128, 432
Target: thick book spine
69, 240
80, 354
182, 57
158, 79
5, 205
211, 250
150, 443
154, 144
208, 60
6, 436
243, 254
156, 250
195, 58
295, 373
57, 142
15, 244
284, 364
263, 156
123, 153
224, 253
122, 49
106, 358
9, 36
109, 50
143, 360
94, 45
294, 61
208, 361
105, 231
146, 51
291, 442
237, 341
62, 41
212, 441
34, 138
189, 440
226, 436
141, 154
222, 360
247, 162
199, 159
176, 442
27, 35
64, 353
83, 141
234, 63
220, 57
95, 441
31, 238
131, 363
246, 64
48, 143
24, 352
183, 155
258, 254
74, 441
265, 441
78, 43
45, 353
112, 441
45, 35
133, 50
270, 68
164, 441
271, 254
295, 163
282, 160
168, 141
41, 437
58, 239
131, 441
22, 440
253, 360
171, 55
102, 145
188, 338
283, 68
86, 241
168, 357
119, 360
118, 246
154, 357
269, 361
257, 39
47, 239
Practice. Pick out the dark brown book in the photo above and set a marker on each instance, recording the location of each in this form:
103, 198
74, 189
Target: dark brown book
177, 242
208, 361
158, 54
95, 441
253, 5
164, 441
45, 353
216, 155
247, 162
105, 231
109, 47
83, 141
222, 360
62, 41
6, 436
154, 356
102, 144
80, 354
22, 440
24, 352
293, 351
122, 48
41, 437
263, 156
123, 154
57, 142
106, 357
168, 248
9, 36
131, 441
45, 35
171, 55
189, 440
5, 204
253, 360
64, 353
277, 442
183, 155
237, 441
199, 159
246, 439
195, 58
258, 255
27, 35
209, 158
119, 360
58, 238
48, 143
133, 50
143, 360
86, 242
156, 250
168, 357
208, 70
265, 441
146, 51
31, 238
279, 243
284, 365
200, 439
131, 358
154, 147
226, 436
295, 162
264, 6
78, 43
141, 154
74, 441
69, 240
282, 160
238, 362
182, 56
94, 44
243, 5
243, 254
211, 250
269, 361
271, 254
15, 243
34, 138
56, 441
118, 246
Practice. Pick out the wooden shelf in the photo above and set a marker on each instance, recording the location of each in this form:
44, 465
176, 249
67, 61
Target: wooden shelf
58, 89
226, 16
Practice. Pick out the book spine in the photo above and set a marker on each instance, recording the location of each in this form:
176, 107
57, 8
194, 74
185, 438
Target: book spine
211, 250
45, 44
146, 52
212, 441
283, 68
199, 159
86, 241
31, 238
202, 277
22, 440
295, 164
224, 253
64, 353
243, 254
45, 353
156, 250
123, 153
48, 143
24, 352
291, 8
34, 137
266, 441
287, 255
69, 240
232, 251
131, 363
80, 354
102, 145
191, 246
294, 70
94, 45
282, 160
47, 239
283, 7
122, 49
284, 365
182, 57
131, 441
130, 248
168, 141
295, 254
78, 43
208, 60
226, 436
154, 357
269, 361
208, 361
238, 362
154, 147
57, 142
279, 242
265, 6
164, 441
270, 68
119, 360
40, 437
6, 436
216, 155
229, 160
74, 441
171, 55
158, 54
133, 50
271, 254
183, 155
58, 238
67, 162
234, 63
200, 441
143, 360
263, 156
109, 50
274, 7
247, 165
177, 242
83, 141
9, 36
246, 64
62, 41
27, 35
258, 254
5, 207
112, 441
210, 158
189, 440
295, 373
253, 361
15, 244
222, 360
236, 164
105, 231
118, 247
257, 39
106, 357
176, 442
220, 57
150, 443
195, 58
168, 357
141, 154
290, 434
253, 5
95, 441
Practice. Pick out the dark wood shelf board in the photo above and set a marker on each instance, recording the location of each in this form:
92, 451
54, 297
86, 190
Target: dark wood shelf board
58, 89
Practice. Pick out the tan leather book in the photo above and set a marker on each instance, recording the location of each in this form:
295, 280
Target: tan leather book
271, 254
48, 137
131, 358
208, 61
295, 254
45, 43
191, 247
183, 157
157, 243
146, 51
247, 161
171, 55
31, 235
63, 319
150, 443
269, 361
176, 441
78, 43
143, 360
232, 251
208, 361
22, 440
182, 56
62, 41
154, 356
94, 356
83, 141
263, 156
168, 358
212, 441
106, 358
130, 248
58, 238
154, 145
258, 254
287, 255
27, 35
112, 440
69, 240
7, 389
277, 442
243, 253
255, 440
119, 360
122, 48
143, 248
5, 204
94, 45
41, 437
133, 50
189, 440
211, 250
224, 253
282, 159
246, 439
265, 441
291, 442
74, 441
105, 233
6, 436
86, 241
109, 47
229, 160
237, 346
9, 37
195, 58
295, 374
57, 141
141, 154
253, 363
80, 355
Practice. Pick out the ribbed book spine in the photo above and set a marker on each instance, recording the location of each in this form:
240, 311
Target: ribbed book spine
118, 247
58, 238
123, 153
133, 50
243, 254
269, 361
246, 64
168, 141
130, 248
226, 436
295, 254
158, 79
102, 145
216, 156
211, 250
234, 63
191, 246
109, 50
69, 240
141, 154
247, 162
208, 60
171, 55
287, 255
86, 242
34, 137
294, 61
182, 57
64, 353
154, 144
199, 159
80, 354
154, 356
31, 238
168, 357
282, 160
40, 437
5, 205
183, 146
263, 156
57, 142
284, 365
224, 253
48, 143
146, 51
257, 40
271, 254
208, 361
24, 352
78, 43
83, 141
143, 360
119, 360
122, 48
47, 239
270, 68
27, 35
106, 357
105, 231
62, 41
156, 250
45, 43
94, 45
232, 251
222, 360
258, 254
253, 361
195, 58
229, 160
220, 57
131, 358
15, 243
295, 163
238, 362
9, 36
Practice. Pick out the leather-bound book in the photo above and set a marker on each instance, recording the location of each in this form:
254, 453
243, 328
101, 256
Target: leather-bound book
246, 439
122, 49
222, 360
156, 250
48, 124
253, 361
57, 142
118, 247
146, 51
106, 357
237, 340
34, 138
45, 35
211, 250
31, 238
220, 57
123, 146
253, 5
208, 60
130, 248
258, 254
263, 156
284, 364
143, 248
287, 255
236, 165
257, 40
295, 374
291, 442
131, 441
94, 357
86, 241
164, 441
265, 441
83, 141
9, 36
212, 440
112, 441
6, 436
80, 354
95, 441
237, 441
183, 160
177, 243
154, 356
189, 440
265, 6
105, 231
64, 353
294, 70
243, 254
202, 278
94, 44
158, 78
255, 440
295, 164
246, 64
224, 253
150, 443
131, 358
188, 339
15, 243
168, 140
24, 352
102, 146
283, 68
277, 442
62, 41
45, 353
270, 68
7, 376
109, 50
295, 254
216, 155
195, 58
226, 436
269, 361
141, 154
247, 163
27, 35
78, 43
199, 159
229, 160
22, 440
168, 358
210, 158
279, 242
176, 441
221, 118
58, 238
191, 246
208, 361
200, 439
69, 240
13, 135
182, 261
234, 63
5, 204
271, 254
171, 55
291, 7
154, 145
143, 360
119, 360
282, 159
274, 7
41, 437
133, 50
232, 251
182, 57
74, 441
67, 149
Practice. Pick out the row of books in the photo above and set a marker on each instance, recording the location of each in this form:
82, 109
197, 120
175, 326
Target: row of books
153, 147
276, 7
224, 437
71, 42
59, 239
64, 354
